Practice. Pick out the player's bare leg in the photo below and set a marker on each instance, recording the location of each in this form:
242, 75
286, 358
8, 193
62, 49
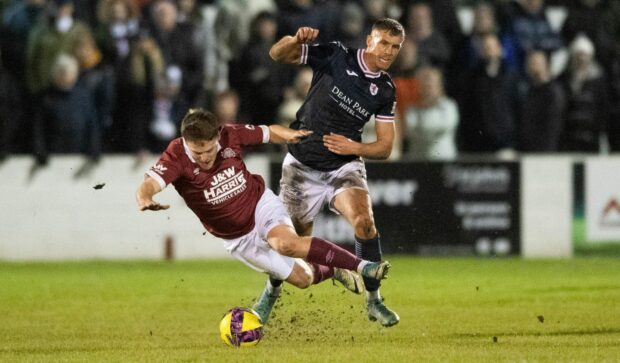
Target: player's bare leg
350, 280
355, 205
300, 277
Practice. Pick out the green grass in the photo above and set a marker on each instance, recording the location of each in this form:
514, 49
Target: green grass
450, 309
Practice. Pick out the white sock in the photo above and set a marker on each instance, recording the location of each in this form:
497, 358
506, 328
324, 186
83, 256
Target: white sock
373, 295
360, 267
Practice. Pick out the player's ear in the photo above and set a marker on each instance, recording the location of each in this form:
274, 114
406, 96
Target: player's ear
368, 41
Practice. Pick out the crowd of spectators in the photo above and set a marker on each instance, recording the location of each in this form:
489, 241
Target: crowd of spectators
116, 76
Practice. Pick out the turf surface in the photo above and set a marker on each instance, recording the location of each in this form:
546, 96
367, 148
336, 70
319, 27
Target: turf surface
452, 310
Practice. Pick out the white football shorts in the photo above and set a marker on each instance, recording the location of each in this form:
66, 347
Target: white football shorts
253, 249
304, 191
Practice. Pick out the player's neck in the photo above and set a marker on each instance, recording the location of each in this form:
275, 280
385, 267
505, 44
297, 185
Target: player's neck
369, 59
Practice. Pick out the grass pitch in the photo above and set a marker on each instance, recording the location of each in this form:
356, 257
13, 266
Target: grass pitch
452, 310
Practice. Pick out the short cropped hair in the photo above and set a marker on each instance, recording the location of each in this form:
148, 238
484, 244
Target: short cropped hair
200, 125
393, 27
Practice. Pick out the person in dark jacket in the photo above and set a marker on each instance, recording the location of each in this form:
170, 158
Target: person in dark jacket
587, 111
486, 102
542, 106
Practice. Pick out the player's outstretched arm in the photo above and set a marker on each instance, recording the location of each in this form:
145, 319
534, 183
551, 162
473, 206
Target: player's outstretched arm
283, 135
380, 149
145, 193
288, 49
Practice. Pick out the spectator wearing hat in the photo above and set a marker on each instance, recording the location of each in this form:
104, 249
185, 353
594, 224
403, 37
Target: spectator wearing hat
587, 111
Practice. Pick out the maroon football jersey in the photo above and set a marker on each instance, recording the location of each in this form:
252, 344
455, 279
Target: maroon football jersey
224, 197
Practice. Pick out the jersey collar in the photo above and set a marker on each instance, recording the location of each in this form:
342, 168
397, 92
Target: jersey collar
367, 72
188, 152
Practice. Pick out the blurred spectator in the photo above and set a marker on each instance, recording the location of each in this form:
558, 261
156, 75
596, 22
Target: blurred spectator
218, 40
86, 11
18, 20
227, 107
176, 42
57, 34
407, 85
294, 97
374, 10
431, 125
433, 48
599, 20
527, 24
134, 112
260, 80
445, 20
589, 17
351, 27
97, 80
542, 106
322, 15
612, 20
587, 110
486, 102
118, 27
66, 112
188, 12
137, 62
484, 23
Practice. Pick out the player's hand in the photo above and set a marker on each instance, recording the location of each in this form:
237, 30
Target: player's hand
151, 205
340, 145
306, 35
297, 136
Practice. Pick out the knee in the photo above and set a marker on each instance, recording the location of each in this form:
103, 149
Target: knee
364, 226
302, 280
284, 246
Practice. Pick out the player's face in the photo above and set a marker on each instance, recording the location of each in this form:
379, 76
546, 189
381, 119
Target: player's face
204, 152
383, 49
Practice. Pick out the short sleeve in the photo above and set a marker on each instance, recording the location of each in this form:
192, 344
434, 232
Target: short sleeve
166, 170
247, 134
386, 113
318, 56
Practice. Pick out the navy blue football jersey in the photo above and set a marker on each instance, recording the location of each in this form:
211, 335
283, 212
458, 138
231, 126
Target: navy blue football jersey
344, 95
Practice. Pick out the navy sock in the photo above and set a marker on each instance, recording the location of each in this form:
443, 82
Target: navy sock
275, 282
369, 249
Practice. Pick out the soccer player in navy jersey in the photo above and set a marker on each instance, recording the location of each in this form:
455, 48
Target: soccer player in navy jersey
205, 166
349, 88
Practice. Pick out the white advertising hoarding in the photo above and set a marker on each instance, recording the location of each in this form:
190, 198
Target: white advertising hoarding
602, 199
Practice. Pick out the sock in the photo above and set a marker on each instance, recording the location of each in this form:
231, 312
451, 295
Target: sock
369, 249
321, 272
373, 295
325, 253
274, 286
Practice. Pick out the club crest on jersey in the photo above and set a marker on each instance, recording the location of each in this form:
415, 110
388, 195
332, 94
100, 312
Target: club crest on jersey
373, 89
228, 153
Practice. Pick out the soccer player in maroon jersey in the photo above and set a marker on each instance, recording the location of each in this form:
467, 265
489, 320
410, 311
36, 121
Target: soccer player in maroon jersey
207, 170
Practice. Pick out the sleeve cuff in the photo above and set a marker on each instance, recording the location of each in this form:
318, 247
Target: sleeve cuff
265, 129
383, 118
157, 178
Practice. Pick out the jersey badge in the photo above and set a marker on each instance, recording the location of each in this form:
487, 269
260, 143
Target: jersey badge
351, 73
373, 89
228, 153
196, 171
